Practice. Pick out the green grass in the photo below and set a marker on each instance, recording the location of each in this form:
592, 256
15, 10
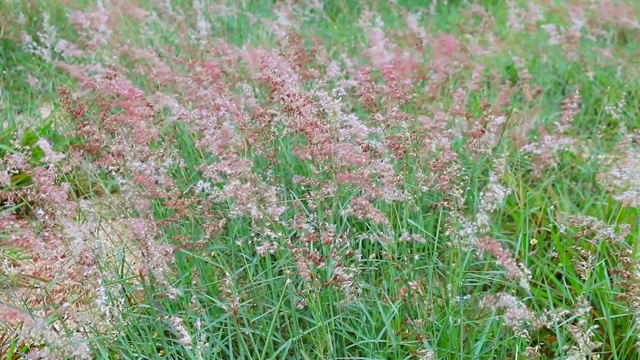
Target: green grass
410, 296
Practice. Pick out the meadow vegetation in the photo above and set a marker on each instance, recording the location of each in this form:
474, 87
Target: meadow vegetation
193, 179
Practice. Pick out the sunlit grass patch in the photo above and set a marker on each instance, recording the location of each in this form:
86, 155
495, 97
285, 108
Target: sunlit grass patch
194, 179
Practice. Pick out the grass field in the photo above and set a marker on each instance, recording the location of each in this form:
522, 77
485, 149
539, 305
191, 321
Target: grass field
319, 179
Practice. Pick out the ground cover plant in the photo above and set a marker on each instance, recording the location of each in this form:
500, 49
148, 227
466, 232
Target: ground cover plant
319, 179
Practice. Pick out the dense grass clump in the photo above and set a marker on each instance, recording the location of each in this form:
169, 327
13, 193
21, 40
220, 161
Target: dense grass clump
319, 180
